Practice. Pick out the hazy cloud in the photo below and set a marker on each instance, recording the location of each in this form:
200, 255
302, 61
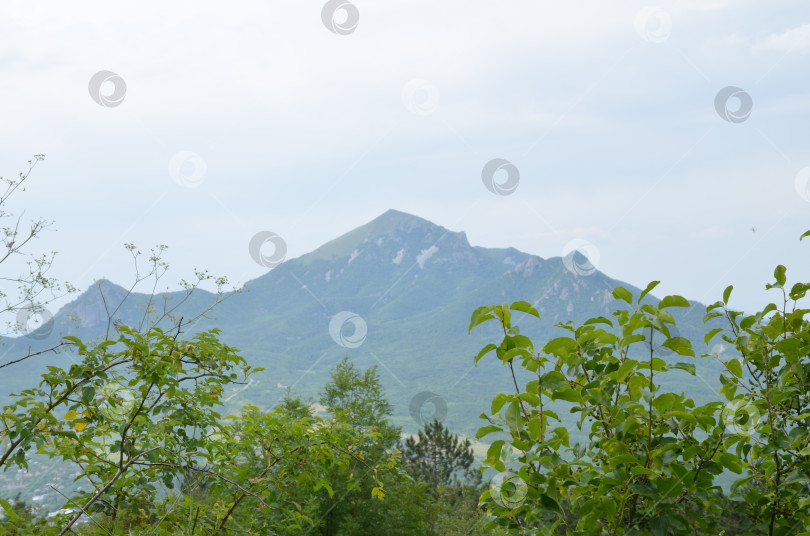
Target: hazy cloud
792, 40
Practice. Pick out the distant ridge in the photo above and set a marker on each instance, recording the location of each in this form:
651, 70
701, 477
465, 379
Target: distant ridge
411, 283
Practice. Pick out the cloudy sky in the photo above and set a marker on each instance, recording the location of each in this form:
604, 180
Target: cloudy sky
216, 121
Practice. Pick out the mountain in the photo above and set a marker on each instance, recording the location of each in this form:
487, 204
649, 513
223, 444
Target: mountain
397, 292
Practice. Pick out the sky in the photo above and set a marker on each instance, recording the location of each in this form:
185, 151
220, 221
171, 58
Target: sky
669, 141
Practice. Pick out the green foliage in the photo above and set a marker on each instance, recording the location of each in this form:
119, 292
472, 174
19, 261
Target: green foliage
635, 472
455, 512
137, 415
652, 458
131, 414
18, 517
767, 414
289, 462
358, 399
441, 461
439, 457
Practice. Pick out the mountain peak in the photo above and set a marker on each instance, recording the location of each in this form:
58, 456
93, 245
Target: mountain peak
392, 224
92, 304
394, 219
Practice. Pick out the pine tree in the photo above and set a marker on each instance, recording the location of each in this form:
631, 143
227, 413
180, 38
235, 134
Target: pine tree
439, 457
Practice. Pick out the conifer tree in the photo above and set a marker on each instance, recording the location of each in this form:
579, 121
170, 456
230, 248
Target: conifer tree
439, 457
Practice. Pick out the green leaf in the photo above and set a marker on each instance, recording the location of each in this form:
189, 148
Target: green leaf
531, 398
504, 314
598, 320
641, 470
673, 301
709, 316
670, 487
711, 334
489, 429
552, 380
665, 317
587, 334
567, 394
535, 429
779, 274
806, 233
660, 526
680, 346
735, 367
646, 291
622, 459
562, 433
493, 458
768, 308
549, 503
485, 350
524, 307
625, 369
798, 291
551, 414
481, 315
631, 339
727, 294
561, 346
499, 400
666, 402
730, 462
586, 509
621, 293
496, 419
88, 394
514, 352
514, 418
688, 367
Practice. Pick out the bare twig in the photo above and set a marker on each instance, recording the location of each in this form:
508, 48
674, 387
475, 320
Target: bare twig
52, 349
